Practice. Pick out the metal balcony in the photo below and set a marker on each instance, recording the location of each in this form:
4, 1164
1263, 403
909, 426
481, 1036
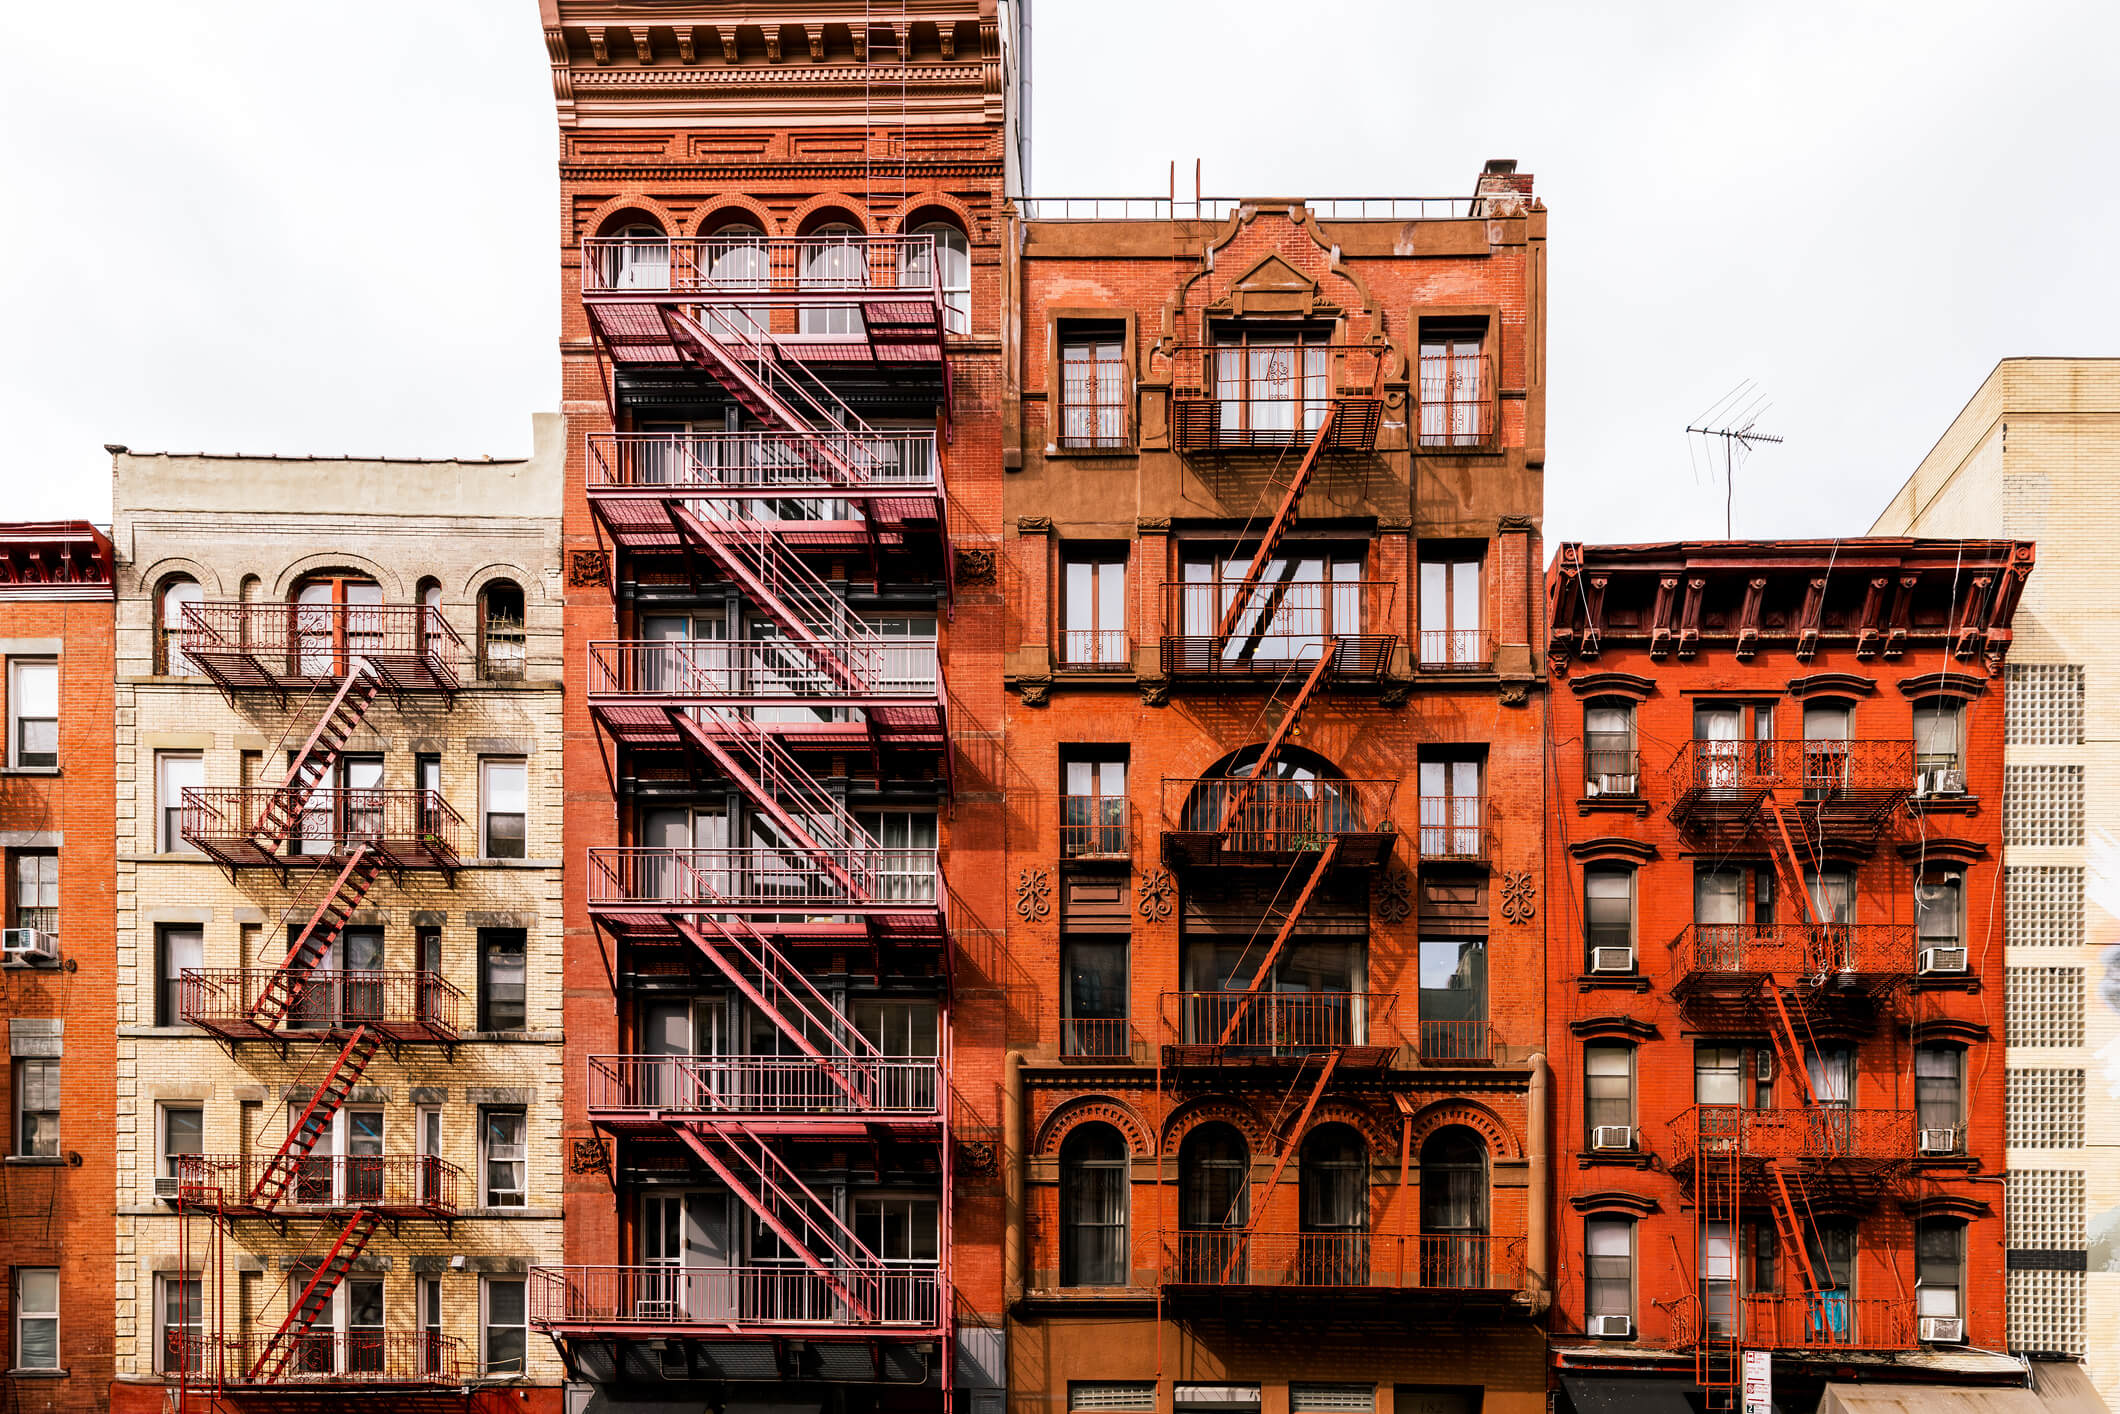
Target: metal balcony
1096, 1038
842, 894
1829, 1321
1344, 1264
1094, 828
642, 1094
826, 492
403, 1007
1455, 650
836, 693
394, 1185
1454, 830
293, 648
1845, 790
734, 1301
1235, 821
355, 1363
1740, 956
1848, 1137
405, 829
1267, 398
1283, 630
1231, 1030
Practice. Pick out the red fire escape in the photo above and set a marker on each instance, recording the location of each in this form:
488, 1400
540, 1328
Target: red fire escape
811, 491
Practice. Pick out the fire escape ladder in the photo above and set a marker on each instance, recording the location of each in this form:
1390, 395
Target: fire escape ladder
317, 936
315, 1118
785, 996
807, 816
1283, 517
1261, 776
1788, 1045
315, 1299
349, 705
1259, 975
1289, 1140
765, 381
1718, 1356
766, 1185
1791, 1225
782, 584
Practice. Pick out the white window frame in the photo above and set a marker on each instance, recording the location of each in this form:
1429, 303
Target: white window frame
17, 670
487, 1157
195, 1325
487, 767
169, 838
21, 1089
24, 1314
1610, 1222
168, 1167
486, 1326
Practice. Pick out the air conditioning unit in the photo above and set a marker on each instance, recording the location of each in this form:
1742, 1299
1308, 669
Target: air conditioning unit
166, 1189
1612, 959
1937, 962
1612, 1326
1941, 781
26, 947
1607, 1137
1611, 783
1939, 1141
1943, 1330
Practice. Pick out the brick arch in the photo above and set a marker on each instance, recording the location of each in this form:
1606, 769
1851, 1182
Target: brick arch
1190, 1116
894, 224
153, 577
830, 200
1092, 1109
1355, 1117
629, 201
533, 586
1501, 1141
393, 586
717, 212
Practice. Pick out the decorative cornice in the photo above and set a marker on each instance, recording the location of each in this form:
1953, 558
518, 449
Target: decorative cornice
1613, 684
1946, 1205
1832, 685
1943, 850
1614, 1200
1943, 685
1948, 1028
1615, 1027
1614, 847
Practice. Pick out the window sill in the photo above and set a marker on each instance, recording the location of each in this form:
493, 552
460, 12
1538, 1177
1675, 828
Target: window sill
487, 861
1612, 805
36, 1161
34, 1373
1967, 804
1612, 982
517, 1214
1055, 452
165, 1032
29, 770
1615, 1159
535, 1036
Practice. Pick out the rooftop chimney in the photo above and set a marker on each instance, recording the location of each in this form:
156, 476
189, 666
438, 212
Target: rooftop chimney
1502, 190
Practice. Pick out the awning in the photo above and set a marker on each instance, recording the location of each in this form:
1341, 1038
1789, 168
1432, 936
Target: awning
1840, 1398
1630, 1394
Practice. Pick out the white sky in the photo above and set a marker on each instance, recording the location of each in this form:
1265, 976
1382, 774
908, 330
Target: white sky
248, 225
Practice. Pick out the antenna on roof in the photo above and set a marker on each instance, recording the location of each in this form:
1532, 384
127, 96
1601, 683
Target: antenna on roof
1733, 420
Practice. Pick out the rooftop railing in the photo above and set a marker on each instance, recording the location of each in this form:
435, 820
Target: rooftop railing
1221, 208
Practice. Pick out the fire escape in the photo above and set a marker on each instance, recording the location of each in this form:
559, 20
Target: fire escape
326, 842
1808, 985
810, 496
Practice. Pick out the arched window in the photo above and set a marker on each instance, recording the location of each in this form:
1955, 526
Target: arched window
734, 260
1301, 800
637, 257
1333, 1175
953, 262
177, 591
833, 259
337, 620
502, 647
1093, 1202
1214, 1203
1454, 1209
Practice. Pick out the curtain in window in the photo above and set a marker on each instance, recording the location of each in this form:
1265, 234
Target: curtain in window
1093, 1203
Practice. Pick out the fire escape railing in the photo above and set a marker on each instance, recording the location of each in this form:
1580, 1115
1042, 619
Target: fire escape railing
766, 1086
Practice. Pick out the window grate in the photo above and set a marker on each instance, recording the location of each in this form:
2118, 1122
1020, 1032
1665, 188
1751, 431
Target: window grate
1331, 1399
2043, 905
2043, 704
2045, 1109
2042, 805
2046, 1312
1116, 1396
2043, 1209
2044, 1006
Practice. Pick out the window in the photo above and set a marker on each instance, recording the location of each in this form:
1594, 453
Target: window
503, 1326
179, 1317
2044, 1107
1608, 1090
1608, 913
1939, 1099
953, 263
1332, 1205
169, 626
1093, 806
907, 864
833, 259
175, 773
1453, 999
1451, 614
2043, 706
1827, 729
1452, 819
502, 647
36, 1318
504, 1158
36, 901
37, 1109
1608, 1268
901, 1228
1718, 1277
183, 1132
1093, 387
1610, 764
1093, 1006
637, 257
1939, 763
1268, 386
504, 797
1094, 1183
1454, 1210
1293, 610
33, 712
1718, 1075
1939, 909
1214, 1201
1111, 1397
2042, 806
503, 1002
428, 1294
181, 947
1093, 611
1453, 396
1831, 1245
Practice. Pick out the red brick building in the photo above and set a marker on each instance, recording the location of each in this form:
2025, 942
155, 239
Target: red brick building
1774, 959
56, 833
781, 252
1274, 798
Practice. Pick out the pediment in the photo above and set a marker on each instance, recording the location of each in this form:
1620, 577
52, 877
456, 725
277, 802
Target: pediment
1273, 286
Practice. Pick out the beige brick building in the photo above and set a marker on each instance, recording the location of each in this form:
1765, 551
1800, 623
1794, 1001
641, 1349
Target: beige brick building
338, 896
2036, 455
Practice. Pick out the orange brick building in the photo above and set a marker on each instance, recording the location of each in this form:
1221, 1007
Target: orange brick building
56, 833
1775, 962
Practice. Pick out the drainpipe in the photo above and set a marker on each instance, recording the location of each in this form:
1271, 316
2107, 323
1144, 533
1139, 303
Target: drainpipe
1537, 1244
1015, 1158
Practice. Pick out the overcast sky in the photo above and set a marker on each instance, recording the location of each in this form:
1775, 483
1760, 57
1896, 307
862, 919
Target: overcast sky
332, 227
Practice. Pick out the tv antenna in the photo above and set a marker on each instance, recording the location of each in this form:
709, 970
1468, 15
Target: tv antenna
1733, 420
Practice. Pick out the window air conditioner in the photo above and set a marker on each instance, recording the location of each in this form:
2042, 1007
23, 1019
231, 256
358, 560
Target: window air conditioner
1612, 959
1939, 1141
1616, 784
26, 947
1943, 1330
1607, 1137
166, 1188
1612, 1325
1942, 961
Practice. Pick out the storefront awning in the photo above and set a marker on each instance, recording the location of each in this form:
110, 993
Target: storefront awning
1631, 1394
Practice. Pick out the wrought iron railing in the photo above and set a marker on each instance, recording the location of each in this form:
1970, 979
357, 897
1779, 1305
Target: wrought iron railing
741, 268
1454, 827
1441, 1262
1279, 1023
744, 668
324, 1182
328, 820
1458, 408
1096, 1038
352, 1357
303, 641
1094, 827
1094, 399
1456, 650
708, 880
1277, 816
1810, 1133
1821, 770
1795, 949
321, 999
1455, 1041
1096, 650
758, 466
877, 1086
737, 1298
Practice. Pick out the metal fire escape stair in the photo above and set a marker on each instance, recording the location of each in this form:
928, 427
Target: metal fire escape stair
317, 936
312, 764
778, 390
315, 1299
1283, 517
315, 1119
1288, 1139
1718, 1356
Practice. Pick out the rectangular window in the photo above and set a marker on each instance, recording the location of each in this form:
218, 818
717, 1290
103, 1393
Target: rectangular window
1093, 1003
504, 799
503, 1158
1454, 408
1608, 912
1938, 1092
1608, 1271
1093, 610
179, 1319
503, 1326
36, 900
37, 1109
1268, 386
1453, 817
36, 1318
181, 948
899, 1228
183, 1131
503, 1002
1718, 1075
1608, 1089
1939, 910
1111, 1397
1453, 999
1452, 614
175, 773
1093, 805
33, 713
1611, 765
429, 1296
1093, 388
1718, 1277
1936, 743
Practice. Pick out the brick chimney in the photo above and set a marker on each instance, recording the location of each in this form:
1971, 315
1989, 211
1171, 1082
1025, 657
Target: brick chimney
1502, 190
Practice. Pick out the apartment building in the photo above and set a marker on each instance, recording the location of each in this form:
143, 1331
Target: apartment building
338, 1010
2035, 455
1774, 957
56, 979
1276, 1131
781, 246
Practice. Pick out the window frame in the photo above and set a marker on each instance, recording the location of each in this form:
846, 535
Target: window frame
487, 1158
487, 767
491, 631
1456, 345
165, 1156
1592, 1281
1462, 648
1104, 418
1591, 937
51, 1073
168, 822
165, 1361
1623, 782
487, 1326
18, 756
20, 862
491, 944
169, 978
1923, 1284
1957, 1055
21, 1314
1076, 1171
1110, 648
169, 659
1591, 1100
